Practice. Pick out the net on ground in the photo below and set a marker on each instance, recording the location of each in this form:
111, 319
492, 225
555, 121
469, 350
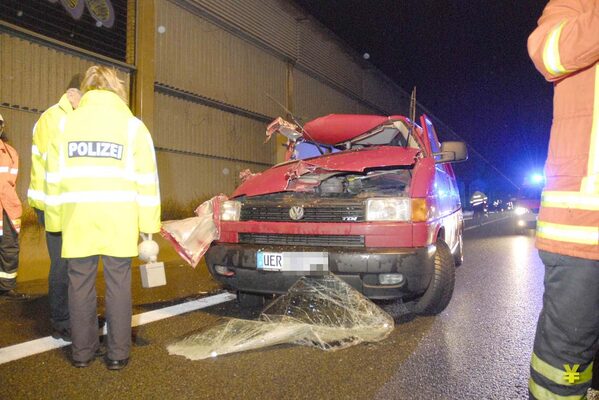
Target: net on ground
322, 312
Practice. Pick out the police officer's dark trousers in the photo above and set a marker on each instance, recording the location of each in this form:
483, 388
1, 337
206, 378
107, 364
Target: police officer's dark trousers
567, 337
58, 279
9, 254
82, 306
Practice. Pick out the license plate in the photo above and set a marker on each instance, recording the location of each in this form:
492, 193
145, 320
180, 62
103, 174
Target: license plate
292, 261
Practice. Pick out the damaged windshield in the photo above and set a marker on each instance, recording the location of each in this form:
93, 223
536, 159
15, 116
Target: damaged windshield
338, 184
395, 134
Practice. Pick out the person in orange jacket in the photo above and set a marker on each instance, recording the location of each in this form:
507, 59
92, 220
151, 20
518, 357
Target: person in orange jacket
10, 225
565, 49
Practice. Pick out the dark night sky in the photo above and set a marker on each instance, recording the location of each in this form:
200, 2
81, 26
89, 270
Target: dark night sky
469, 62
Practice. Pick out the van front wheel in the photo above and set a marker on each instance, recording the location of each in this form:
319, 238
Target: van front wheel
438, 294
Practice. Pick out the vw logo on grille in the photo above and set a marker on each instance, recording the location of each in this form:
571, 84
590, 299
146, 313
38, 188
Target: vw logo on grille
296, 213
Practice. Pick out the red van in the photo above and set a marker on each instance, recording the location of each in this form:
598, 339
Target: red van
378, 206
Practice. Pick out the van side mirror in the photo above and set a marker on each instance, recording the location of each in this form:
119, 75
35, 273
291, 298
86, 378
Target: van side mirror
451, 152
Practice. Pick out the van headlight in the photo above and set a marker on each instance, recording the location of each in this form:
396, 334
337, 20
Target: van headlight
520, 211
388, 209
230, 210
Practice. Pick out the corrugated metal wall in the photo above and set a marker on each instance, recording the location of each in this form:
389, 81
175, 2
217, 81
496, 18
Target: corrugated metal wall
198, 56
320, 52
195, 55
33, 76
380, 90
201, 150
271, 22
313, 99
206, 131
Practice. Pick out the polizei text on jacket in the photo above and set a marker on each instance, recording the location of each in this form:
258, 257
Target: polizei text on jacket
96, 149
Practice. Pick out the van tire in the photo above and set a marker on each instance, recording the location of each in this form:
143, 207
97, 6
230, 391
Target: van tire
250, 300
438, 294
458, 257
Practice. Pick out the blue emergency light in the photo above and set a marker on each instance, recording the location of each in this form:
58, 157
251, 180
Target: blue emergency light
537, 178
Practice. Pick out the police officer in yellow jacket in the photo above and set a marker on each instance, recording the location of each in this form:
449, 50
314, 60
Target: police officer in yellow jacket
44, 131
101, 191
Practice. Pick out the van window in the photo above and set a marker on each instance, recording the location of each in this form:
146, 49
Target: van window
394, 135
432, 137
305, 150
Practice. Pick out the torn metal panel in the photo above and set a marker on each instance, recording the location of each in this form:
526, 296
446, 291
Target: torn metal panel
285, 128
191, 237
322, 312
276, 179
247, 174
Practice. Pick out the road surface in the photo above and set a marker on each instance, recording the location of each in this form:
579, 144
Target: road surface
478, 348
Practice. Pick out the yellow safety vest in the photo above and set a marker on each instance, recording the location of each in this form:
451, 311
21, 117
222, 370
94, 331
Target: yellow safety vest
45, 128
101, 185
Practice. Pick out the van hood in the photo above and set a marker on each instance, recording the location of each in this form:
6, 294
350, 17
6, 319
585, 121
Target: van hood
279, 177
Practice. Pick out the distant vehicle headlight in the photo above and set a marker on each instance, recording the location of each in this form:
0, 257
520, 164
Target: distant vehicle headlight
388, 209
230, 210
520, 211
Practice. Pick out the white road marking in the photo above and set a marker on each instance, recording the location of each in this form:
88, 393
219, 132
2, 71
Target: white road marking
488, 222
22, 350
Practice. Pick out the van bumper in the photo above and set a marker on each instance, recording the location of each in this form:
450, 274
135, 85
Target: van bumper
361, 268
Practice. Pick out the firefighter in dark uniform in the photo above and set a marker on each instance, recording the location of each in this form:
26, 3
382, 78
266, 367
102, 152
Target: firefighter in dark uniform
565, 49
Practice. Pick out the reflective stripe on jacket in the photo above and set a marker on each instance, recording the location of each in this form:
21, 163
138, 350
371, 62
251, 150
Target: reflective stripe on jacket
9, 200
565, 49
43, 131
101, 186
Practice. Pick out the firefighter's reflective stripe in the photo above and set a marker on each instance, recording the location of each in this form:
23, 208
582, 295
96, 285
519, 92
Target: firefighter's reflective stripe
7, 170
568, 233
577, 200
540, 393
6, 275
590, 184
551, 57
16, 223
557, 375
108, 196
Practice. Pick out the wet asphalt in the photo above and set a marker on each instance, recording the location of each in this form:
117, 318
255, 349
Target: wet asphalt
478, 348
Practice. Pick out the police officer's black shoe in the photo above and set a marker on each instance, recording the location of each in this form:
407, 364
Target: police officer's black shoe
82, 364
115, 365
64, 334
13, 295
100, 351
